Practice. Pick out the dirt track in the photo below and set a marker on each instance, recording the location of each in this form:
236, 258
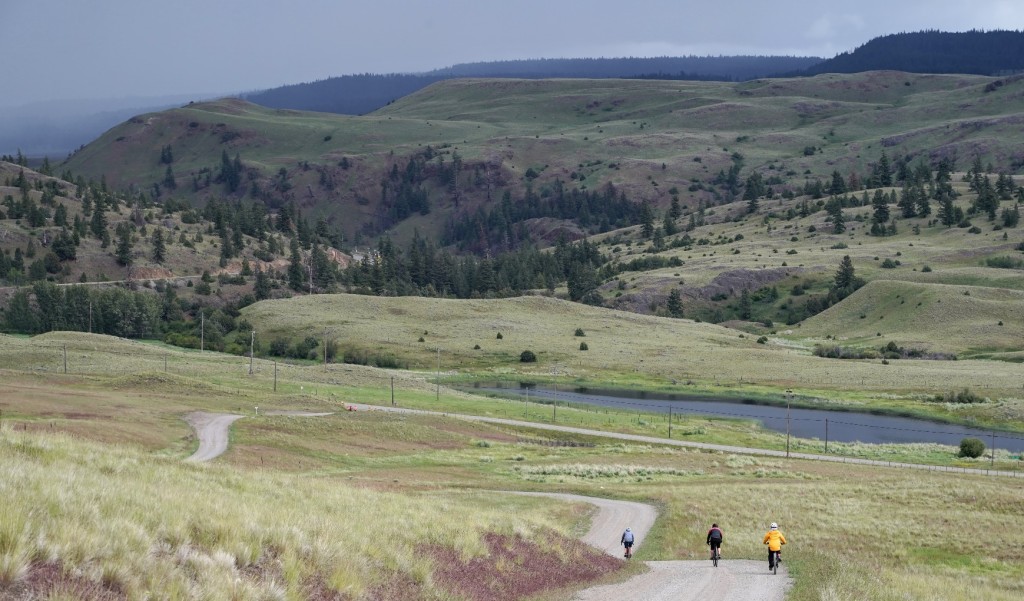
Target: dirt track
212, 431
732, 580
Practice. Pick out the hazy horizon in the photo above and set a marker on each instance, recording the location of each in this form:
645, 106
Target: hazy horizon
70, 50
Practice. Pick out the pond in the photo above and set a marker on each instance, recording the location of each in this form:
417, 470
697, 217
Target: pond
840, 426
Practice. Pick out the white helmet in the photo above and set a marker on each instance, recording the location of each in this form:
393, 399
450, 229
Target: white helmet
774, 526
627, 530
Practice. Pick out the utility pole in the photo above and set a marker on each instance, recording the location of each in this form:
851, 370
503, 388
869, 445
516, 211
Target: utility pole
438, 378
670, 421
90, 316
826, 436
275, 376
325, 349
65, 358
392, 391
788, 395
252, 345
993, 463
202, 330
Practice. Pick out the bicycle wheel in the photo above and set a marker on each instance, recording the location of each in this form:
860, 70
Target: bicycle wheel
775, 564
714, 557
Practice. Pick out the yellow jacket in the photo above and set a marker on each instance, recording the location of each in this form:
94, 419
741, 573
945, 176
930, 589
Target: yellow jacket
774, 539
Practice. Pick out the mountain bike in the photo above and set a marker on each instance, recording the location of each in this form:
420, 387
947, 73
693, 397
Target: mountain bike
776, 559
716, 554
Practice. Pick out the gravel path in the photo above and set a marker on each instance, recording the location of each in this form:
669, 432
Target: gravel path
612, 518
699, 445
732, 580
739, 580
212, 431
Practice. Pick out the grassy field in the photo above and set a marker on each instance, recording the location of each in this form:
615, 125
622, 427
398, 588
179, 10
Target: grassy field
375, 505
628, 350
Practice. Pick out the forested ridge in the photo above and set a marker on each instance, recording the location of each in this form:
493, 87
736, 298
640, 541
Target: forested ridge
975, 52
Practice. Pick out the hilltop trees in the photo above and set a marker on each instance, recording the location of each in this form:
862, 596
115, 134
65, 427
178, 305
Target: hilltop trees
845, 281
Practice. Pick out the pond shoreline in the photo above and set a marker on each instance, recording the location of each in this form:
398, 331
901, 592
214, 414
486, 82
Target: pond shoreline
802, 419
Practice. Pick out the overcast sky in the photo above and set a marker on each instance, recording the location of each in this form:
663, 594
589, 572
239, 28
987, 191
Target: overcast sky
70, 49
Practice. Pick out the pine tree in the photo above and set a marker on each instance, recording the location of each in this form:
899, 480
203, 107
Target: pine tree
744, 307
845, 281
883, 171
159, 247
675, 211
123, 252
674, 304
261, 289
947, 212
881, 208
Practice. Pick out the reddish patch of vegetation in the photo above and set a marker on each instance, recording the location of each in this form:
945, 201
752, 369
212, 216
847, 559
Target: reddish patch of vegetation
46, 579
515, 568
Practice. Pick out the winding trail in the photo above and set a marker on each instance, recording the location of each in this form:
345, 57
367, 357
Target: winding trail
732, 580
696, 445
212, 431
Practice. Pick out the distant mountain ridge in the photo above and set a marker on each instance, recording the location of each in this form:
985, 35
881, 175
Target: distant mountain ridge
968, 52
364, 93
971, 52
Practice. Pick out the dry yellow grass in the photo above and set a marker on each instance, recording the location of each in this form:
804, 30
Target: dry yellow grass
143, 525
623, 347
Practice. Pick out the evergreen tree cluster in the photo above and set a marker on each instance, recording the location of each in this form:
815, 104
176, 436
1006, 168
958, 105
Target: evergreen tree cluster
502, 227
424, 269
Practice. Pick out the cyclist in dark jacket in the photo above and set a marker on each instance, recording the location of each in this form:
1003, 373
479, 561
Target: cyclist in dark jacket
715, 538
627, 542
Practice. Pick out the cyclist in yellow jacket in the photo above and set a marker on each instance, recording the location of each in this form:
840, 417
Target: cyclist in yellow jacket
774, 539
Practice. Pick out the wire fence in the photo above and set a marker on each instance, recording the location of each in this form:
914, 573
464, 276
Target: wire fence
327, 382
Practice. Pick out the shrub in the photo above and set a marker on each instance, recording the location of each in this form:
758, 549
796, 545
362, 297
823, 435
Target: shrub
527, 357
762, 340
499, 336
584, 347
579, 332
1004, 263
476, 347
971, 447
888, 264
926, 269
964, 396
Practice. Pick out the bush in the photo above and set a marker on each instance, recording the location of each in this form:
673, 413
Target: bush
762, 340
888, 264
971, 447
579, 332
527, 357
584, 347
964, 396
499, 336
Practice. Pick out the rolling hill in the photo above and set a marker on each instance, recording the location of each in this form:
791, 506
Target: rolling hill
647, 138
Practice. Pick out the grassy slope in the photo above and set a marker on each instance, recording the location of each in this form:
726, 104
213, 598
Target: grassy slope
641, 135
625, 349
100, 264
406, 480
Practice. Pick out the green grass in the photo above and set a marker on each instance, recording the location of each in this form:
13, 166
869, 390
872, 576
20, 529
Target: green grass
329, 476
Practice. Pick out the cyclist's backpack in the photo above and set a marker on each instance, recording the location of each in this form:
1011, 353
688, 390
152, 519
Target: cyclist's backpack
716, 534
628, 537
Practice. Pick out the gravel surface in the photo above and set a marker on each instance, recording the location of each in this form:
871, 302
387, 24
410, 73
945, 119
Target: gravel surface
732, 580
212, 431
